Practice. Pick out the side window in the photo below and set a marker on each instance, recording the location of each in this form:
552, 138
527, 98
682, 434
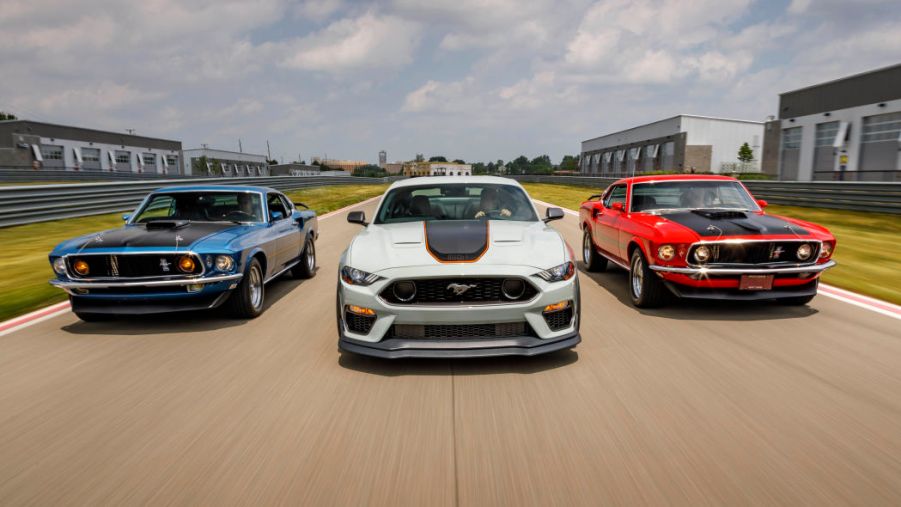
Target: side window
616, 194
275, 205
289, 206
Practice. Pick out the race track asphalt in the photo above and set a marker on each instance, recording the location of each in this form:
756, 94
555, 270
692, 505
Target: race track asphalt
695, 404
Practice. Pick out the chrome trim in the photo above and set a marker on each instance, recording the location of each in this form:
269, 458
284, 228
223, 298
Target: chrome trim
151, 252
152, 283
611, 259
273, 277
816, 268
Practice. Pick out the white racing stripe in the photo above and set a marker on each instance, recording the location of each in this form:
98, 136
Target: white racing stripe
846, 296
49, 312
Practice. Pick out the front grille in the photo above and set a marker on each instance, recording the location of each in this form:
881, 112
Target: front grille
481, 290
757, 252
133, 265
561, 319
460, 331
360, 324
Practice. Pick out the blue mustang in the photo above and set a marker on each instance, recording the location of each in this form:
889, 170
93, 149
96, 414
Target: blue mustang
189, 248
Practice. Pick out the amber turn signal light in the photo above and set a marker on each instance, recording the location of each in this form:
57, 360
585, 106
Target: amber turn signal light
81, 267
556, 307
360, 310
186, 264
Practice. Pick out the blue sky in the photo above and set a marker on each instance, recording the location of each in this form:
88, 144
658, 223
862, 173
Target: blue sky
478, 80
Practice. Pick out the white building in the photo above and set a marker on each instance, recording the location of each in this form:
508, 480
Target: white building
683, 143
226, 163
450, 169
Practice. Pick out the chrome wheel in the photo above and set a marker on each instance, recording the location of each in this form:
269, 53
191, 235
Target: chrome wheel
256, 287
637, 275
586, 248
310, 257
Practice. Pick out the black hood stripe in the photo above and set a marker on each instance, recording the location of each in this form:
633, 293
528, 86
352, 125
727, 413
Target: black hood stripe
456, 240
734, 224
140, 236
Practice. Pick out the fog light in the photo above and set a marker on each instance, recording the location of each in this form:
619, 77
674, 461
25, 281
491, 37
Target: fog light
195, 287
804, 252
404, 291
185, 264
81, 267
702, 254
666, 252
513, 288
360, 310
556, 307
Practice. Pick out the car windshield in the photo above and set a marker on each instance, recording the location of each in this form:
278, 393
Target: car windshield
202, 207
456, 201
664, 196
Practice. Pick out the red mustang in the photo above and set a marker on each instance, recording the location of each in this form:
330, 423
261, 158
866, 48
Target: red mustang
701, 237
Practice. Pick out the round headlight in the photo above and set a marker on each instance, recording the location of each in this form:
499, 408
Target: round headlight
666, 252
405, 291
826, 250
81, 267
702, 254
59, 265
804, 252
513, 288
224, 263
186, 264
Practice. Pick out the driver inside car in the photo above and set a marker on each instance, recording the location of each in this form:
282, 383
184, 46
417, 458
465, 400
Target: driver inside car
489, 202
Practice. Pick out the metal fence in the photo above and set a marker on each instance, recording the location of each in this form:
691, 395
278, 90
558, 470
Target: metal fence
846, 195
40, 203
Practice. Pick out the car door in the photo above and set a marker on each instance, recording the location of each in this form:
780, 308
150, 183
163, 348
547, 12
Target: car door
293, 240
606, 225
281, 226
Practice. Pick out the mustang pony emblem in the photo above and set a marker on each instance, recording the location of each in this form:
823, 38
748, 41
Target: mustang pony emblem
777, 253
460, 288
165, 265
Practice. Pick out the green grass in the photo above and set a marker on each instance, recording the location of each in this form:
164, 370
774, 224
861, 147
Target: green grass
867, 253
24, 286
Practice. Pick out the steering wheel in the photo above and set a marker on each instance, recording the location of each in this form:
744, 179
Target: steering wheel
241, 216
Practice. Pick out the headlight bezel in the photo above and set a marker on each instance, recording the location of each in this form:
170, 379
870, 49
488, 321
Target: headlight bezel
59, 266
559, 273
809, 249
827, 248
358, 277
227, 263
670, 252
706, 255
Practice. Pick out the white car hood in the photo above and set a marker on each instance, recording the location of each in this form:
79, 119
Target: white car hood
381, 247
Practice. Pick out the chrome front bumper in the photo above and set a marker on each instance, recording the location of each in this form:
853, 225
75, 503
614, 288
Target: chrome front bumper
107, 284
815, 268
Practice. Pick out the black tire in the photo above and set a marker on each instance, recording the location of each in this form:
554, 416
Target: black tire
306, 268
645, 287
246, 301
590, 257
800, 300
93, 317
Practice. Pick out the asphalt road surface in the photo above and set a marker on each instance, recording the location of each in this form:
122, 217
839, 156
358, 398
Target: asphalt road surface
727, 404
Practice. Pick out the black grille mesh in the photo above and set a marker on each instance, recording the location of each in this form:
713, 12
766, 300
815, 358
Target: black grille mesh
360, 324
133, 265
757, 252
561, 319
460, 331
435, 291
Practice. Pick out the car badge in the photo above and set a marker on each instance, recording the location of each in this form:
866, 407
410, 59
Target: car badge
165, 265
777, 253
460, 288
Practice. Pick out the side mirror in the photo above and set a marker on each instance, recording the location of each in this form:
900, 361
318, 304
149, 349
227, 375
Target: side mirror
617, 206
276, 215
595, 196
301, 205
357, 217
126, 217
762, 203
553, 214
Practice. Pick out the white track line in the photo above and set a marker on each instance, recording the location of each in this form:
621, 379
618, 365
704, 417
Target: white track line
49, 312
846, 296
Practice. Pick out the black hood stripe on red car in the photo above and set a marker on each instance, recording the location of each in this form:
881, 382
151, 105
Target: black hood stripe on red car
141, 236
734, 224
456, 240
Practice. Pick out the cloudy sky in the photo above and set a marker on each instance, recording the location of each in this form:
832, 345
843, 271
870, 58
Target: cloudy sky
478, 80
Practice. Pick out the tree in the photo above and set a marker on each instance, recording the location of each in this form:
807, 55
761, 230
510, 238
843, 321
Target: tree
370, 171
745, 153
437, 159
569, 163
459, 161
272, 161
420, 158
7, 116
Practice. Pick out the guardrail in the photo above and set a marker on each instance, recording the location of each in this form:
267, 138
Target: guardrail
846, 195
39, 203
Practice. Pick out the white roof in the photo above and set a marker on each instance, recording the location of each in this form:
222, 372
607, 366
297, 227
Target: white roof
438, 180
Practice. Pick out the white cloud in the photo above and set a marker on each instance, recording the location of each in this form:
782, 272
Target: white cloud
366, 42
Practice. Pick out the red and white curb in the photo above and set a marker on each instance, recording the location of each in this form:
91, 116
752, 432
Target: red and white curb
37, 316
852, 298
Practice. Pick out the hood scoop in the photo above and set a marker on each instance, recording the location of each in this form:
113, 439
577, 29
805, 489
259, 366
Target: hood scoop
720, 214
166, 224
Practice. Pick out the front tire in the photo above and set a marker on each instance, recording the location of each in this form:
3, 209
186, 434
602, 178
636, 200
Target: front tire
645, 288
246, 301
590, 257
306, 268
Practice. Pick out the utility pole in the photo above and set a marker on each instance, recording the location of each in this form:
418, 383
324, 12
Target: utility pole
268, 151
240, 148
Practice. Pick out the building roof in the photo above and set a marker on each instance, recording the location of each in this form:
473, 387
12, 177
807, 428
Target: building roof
714, 118
58, 130
225, 151
872, 87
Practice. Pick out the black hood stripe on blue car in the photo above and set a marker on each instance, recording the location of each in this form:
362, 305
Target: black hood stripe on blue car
456, 240
733, 223
140, 236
